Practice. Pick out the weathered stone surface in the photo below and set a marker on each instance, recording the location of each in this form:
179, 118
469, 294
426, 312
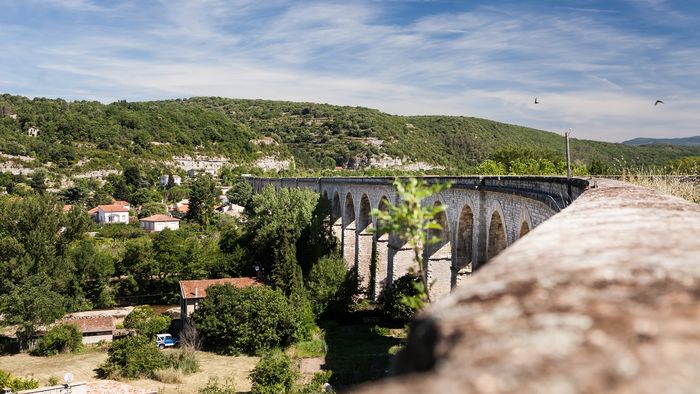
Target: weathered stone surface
602, 297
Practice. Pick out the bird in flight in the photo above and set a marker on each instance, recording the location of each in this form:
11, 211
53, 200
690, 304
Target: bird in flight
658, 102
536, 102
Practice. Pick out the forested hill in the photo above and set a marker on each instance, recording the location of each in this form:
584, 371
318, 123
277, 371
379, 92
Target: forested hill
684, 141
81, 136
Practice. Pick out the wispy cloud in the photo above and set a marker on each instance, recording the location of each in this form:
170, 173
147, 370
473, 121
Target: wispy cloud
592, 68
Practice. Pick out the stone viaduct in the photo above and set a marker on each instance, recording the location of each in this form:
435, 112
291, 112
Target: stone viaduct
483, 216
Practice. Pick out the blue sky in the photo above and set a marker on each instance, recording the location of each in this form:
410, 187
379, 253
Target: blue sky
596, 66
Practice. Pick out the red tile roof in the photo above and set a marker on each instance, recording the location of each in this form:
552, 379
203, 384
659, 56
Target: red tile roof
67, 208
93, 211
120, 203
190, 289
113, 208
88, 324
159, 218
184, 208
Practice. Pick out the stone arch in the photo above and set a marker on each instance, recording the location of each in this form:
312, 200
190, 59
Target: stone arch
525, 223
337, 218
349, 226
364, 241
439, 257
496, 235
465, 243
381, 256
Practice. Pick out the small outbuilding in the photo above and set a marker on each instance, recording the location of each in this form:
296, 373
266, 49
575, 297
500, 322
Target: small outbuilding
193, 291
156, 223
93, 328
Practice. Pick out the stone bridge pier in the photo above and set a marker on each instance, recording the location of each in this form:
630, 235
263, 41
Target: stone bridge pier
483, 216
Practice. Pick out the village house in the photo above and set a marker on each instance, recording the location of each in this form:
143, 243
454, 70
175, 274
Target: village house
164, 179
193, 291
33, 131
155, 223
93, 328
114, 213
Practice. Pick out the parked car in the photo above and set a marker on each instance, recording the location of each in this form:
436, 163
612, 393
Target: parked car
166, 340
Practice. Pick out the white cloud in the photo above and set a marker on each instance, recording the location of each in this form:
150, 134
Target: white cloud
595, 77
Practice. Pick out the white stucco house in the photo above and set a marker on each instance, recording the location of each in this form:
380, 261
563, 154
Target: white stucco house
177, 180
155, 223
113, 213
33, 131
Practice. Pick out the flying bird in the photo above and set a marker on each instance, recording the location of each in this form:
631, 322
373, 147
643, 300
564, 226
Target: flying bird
658, 102
536, 102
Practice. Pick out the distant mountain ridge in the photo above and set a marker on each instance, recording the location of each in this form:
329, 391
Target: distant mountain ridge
684, 141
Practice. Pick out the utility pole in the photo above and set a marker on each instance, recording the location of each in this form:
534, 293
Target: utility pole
568, 154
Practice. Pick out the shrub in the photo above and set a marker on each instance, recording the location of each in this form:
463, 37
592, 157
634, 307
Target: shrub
317, 383
133, 357
183, 360
168, 375
325, 282
15, 383
248, 320
273, 374
63, 338
392, 299
213, 387
146, 322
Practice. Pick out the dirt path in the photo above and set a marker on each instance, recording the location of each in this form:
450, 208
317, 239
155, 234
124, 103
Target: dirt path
83, 366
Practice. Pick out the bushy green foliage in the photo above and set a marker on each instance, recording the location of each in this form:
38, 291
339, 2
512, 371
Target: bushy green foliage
152, 208
273, 374
62, 338
685, 166
392, 299
146, 322
184, 360
325, 284
249, 320
316, 385
214, 387
16, 384
203, 198
133, 357
240, 193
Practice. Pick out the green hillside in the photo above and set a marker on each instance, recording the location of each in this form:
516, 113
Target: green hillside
81, 136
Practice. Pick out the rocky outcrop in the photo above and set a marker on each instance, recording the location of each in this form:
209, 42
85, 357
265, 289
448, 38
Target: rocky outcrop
602, 297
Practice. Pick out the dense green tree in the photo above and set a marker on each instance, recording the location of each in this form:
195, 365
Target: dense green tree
146, 322
240, 193
273, 374
249, 320
133, 357
203, 198
275, 224
325, 284
38, 181
153, 208
63, 338
32, 304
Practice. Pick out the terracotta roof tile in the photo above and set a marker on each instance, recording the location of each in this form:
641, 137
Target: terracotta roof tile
90, 323
113, 208
198, 288
159, 218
